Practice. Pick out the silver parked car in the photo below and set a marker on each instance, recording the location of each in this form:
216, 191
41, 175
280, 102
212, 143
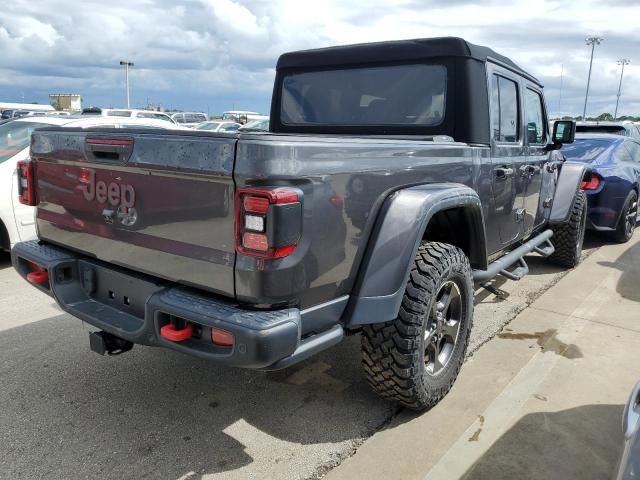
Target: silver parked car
629, 465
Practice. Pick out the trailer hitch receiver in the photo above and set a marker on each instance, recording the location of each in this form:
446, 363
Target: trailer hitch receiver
103, 342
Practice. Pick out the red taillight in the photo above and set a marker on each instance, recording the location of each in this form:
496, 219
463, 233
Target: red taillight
268, 221
222, 338
26, 190
591, 183
337, 201
255, 241
255, 204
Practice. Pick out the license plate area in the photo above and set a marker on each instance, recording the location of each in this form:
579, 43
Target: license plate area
122, 291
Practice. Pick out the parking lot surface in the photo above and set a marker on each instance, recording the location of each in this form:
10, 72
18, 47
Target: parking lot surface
542, 401
154, 413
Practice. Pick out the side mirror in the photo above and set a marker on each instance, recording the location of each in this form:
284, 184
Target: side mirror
564, 131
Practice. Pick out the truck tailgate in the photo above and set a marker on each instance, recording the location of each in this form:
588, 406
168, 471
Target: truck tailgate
158, 203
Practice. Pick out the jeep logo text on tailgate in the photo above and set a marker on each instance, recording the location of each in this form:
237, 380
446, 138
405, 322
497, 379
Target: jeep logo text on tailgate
115, 193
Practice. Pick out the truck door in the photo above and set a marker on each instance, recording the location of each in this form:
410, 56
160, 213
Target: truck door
508, 155
535, 174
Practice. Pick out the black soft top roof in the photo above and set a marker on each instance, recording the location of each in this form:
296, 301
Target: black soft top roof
394, 51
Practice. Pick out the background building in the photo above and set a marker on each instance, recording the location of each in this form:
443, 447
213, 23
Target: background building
65, 101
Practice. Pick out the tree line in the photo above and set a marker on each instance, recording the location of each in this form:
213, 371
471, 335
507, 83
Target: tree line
603, 117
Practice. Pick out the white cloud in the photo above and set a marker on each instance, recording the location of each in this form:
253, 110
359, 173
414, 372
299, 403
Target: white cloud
194, 52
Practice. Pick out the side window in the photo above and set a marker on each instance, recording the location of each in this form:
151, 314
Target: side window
634, 150
535, 117
505, 108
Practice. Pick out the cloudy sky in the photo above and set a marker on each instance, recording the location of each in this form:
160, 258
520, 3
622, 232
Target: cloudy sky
215, 55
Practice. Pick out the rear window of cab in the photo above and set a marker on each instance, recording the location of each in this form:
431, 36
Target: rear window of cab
386, 95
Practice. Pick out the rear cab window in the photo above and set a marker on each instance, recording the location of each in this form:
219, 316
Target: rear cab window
505, 106
413, 94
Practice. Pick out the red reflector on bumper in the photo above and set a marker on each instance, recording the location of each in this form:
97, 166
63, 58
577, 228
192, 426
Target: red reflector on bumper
38, 277
169, 332
221, 337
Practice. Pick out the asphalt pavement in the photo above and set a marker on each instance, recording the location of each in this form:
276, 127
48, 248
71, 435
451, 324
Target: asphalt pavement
153, 413
541, 401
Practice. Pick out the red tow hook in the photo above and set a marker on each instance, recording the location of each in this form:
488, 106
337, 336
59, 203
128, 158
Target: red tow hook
38, 277
171, 333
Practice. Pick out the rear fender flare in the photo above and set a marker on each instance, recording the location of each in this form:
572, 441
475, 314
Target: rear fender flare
571, 175
394, 242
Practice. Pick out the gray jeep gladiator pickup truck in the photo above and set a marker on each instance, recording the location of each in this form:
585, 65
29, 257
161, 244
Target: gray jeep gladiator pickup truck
393, 177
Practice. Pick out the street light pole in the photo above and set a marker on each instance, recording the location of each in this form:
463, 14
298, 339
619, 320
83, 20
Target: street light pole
561, 79
623, 62
126, 78
593, 41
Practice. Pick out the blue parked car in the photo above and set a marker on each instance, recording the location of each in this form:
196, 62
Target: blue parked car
612, 186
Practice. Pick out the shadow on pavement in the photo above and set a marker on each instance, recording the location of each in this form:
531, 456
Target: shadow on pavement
155, 413
629, 264
578, 443
491, 291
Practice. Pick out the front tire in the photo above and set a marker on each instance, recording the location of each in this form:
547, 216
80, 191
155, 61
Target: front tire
568, 237
415, 359
628, 218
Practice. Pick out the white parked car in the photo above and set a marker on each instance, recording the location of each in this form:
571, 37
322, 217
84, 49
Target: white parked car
218, 126
127, 112
17, 220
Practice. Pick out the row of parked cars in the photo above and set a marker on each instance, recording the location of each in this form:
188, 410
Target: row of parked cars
10, 114
231, 121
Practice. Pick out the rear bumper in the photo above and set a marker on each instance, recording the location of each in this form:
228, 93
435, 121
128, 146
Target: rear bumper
135, 307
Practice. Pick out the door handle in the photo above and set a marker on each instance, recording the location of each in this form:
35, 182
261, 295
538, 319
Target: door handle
504, 172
